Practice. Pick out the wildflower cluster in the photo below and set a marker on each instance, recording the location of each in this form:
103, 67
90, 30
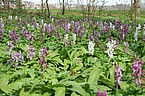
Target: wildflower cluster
118, 74
137, 70
43, 55
112, 45
91, 47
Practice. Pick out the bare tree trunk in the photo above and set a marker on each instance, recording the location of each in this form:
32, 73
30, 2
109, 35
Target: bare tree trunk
136, 9
20, 4
8, 6
48, 8
89, 9
63, 9
42, 5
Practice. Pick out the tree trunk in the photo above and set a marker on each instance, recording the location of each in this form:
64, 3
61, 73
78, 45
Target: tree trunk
63, 9
42, 5
136, 9
20, 4
48, 8
89, 9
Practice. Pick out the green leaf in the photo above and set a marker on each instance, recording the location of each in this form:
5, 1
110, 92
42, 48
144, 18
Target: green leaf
59, 91
57, 59
112, 73
46, 94
124, 85
107, 82
74, 94
76, 88
22, 93
94, 75
84, 50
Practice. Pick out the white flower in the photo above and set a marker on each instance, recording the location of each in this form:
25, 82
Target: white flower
16, 17
52, 19
111, 25
28, 25
1, 20
42, 22
111, 47
65, 40
10, 17
136, 33
68, 25
91, 47
74, 38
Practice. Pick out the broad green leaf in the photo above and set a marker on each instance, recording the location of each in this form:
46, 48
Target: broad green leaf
84, 50
107, 82
46, 94
74, 94
76, 88
4, 83
22, 93
112, 73
59, 91
15, 85
57, 59
94, 75
124, 85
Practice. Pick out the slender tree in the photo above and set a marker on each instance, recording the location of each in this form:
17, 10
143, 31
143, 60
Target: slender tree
48, 8
63, 7
42, 5
20, 4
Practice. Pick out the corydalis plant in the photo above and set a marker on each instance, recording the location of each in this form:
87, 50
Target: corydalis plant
112, 45
74, 38
99, 93
126, 46
31, 37
17, 58
43, 54
91, 47
10, 45
31, 53
14, 36
118, 75
137, 32
137, 70
65, 40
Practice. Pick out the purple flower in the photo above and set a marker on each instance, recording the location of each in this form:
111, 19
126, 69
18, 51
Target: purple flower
31, 37
10, 47
91, 37
51, 27
14, 36
43, 55
126, 46
117, 24
107, 28
25, 32
17, 58
137, 70
99, 93
118, 74
7, 22
59, 23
